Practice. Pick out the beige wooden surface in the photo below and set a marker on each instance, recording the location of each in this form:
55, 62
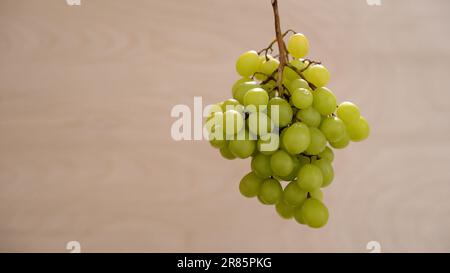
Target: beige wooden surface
85, 147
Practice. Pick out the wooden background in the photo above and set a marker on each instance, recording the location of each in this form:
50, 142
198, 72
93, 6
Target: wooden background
85, 146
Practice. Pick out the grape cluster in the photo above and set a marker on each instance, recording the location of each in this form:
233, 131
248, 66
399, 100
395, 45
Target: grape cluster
293, 143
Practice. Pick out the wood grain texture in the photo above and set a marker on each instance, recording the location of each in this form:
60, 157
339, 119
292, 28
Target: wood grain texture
85, 146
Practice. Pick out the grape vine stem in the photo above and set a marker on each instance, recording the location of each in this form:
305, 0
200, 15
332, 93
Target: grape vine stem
281, 47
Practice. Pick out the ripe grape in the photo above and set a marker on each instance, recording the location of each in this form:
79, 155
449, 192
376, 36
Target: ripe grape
283, 116
327, 171
248, 63
242, 146
289, 75
239, 82
281, 163
250, 185
318, 142
226, 153
310, 177
271, 191
232, 104
294, 172
293, 195
269, 66
298, 45
333, 128
299, 64
298, 83
309, 116
359, 130
217, 143
298, 216
314, 213
242, 89
302, 98
348, 112
324, 101
257, 97
327, 154
284, 210
343, 142
296, 138
261, 166
317, 75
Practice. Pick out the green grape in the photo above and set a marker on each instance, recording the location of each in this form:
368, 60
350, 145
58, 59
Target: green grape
333, 128
293, 195
239, 82
269, 66
233, 122
348, 112
302, 98
226, 153
248, 63
262, 201
283, 116
285, 211
296, 138
298, 83
324, 101
289, 75
232, 104
318, 141
250, 185
257, 97
294, 172
317, 75
281, 163
271, 191
268, 144
327, 154
259, 123
309, 116
261, 166
298, 216
298, 45
317, 194
314, 213
242, 89
342, 143
217, 143
242, 146
359, 130
259, 75
299, 64
310, 177
327, 171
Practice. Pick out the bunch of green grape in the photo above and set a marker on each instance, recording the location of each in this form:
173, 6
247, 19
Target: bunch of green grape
294, 143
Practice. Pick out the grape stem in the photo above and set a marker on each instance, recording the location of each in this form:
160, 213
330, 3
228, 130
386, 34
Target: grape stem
270, 46
281, 47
